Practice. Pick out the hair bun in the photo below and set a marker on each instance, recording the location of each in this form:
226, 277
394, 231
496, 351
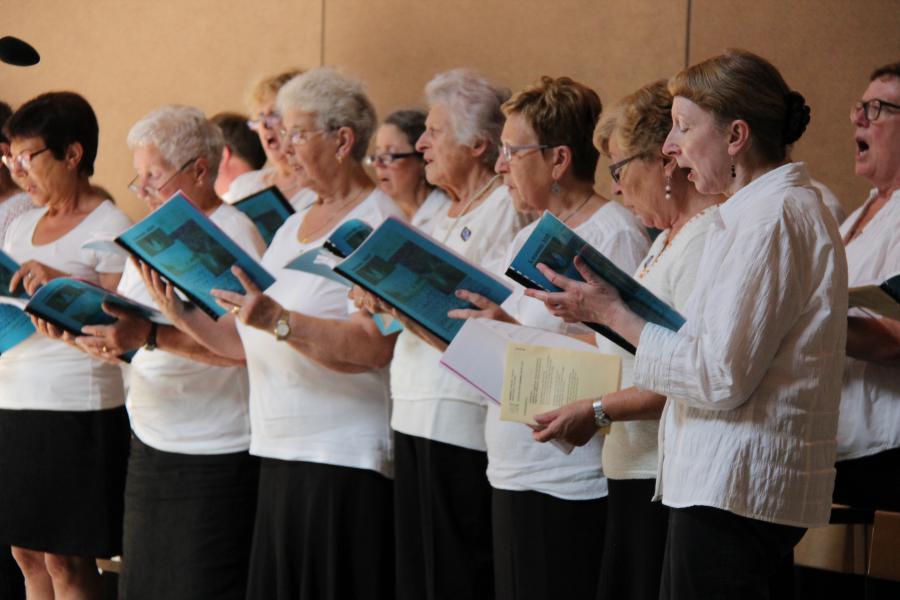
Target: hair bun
796, 118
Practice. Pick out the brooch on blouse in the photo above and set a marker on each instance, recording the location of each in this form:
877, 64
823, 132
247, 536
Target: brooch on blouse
465, 234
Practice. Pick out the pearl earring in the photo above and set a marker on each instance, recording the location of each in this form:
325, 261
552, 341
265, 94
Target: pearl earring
668, 188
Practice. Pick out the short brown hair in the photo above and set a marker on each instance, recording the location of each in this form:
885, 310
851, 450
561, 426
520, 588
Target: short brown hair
742, 85
562, 112
640, 122
267, 88
891, 70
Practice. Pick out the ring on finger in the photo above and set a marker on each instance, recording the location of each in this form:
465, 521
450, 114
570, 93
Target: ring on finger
104, 349
235, 309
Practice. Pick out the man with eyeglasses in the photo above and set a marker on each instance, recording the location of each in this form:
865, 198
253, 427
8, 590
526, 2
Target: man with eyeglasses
868, 467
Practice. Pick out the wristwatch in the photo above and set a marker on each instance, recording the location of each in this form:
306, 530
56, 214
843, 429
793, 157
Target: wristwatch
601, 419
282, 326
150, 343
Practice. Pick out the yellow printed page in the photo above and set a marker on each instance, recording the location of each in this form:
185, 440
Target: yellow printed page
538, 379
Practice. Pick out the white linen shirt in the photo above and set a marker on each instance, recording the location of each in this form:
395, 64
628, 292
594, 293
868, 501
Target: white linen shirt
186, 406
870, 402
629, 451
251, 182
300, 410
753, 378
429, 401
515, 461
46, 374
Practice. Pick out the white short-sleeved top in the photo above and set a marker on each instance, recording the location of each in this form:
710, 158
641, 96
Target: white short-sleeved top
180, 405
46, 374
870, 401
11, 208
300, 410
630, 448
436, 203
753, 377
515, 461
251, 182
430, 402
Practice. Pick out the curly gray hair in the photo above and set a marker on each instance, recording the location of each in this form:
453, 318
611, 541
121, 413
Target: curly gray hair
474, 105
337, 101
180, 133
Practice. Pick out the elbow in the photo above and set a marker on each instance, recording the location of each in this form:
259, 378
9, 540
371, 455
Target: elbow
383, 354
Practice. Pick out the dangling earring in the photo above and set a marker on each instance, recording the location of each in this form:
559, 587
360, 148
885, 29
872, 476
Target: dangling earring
733, 172
555, 189
668, 188
340, 159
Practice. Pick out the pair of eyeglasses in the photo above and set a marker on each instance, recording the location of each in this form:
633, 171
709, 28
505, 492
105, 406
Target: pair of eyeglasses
21, 162
155, 191
509, 151
872, 108
385, 159
297, 137
615, 169
269, 121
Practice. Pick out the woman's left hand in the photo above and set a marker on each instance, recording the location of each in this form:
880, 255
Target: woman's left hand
591, 301
253, 307
33, 275
485, 308
573, 423
106, 342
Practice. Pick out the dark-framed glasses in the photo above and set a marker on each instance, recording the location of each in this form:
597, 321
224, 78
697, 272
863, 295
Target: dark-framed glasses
385, 159
508, 150
615, 169
21, 161
154, 190
297, 137
269, 121
872, 108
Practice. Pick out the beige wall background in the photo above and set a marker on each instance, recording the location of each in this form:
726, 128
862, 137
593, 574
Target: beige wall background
127, 56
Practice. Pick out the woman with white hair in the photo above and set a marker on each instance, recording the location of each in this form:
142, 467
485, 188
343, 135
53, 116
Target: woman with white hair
190, 494
319, 402
442, 498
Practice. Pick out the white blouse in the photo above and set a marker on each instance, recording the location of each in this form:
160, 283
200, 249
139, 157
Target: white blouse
435, 204
630, 448
753, 378
515, 460
870, 402
429, 401
251, 182
46, 374
299, 410
181, 405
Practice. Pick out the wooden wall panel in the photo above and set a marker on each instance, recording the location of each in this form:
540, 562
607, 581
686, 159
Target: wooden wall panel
826, 50
129, 57
398, 45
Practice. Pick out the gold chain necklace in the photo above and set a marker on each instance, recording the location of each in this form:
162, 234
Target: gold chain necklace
309, 237
652, 260
465, 208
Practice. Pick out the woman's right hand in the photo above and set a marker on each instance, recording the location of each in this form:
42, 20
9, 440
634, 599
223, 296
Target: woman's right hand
32, 275
162, 292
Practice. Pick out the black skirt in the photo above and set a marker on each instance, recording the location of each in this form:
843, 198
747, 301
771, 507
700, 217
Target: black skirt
62, 475
546, 547
188, 524
323, 532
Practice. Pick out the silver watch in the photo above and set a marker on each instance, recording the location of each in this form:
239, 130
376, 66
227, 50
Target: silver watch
601, 419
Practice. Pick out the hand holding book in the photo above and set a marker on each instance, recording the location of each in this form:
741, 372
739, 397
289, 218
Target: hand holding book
253, 308
590, 301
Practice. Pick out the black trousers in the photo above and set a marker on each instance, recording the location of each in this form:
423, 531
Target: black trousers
545, 547
869, 482
716, 555
635, 541
442, 508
